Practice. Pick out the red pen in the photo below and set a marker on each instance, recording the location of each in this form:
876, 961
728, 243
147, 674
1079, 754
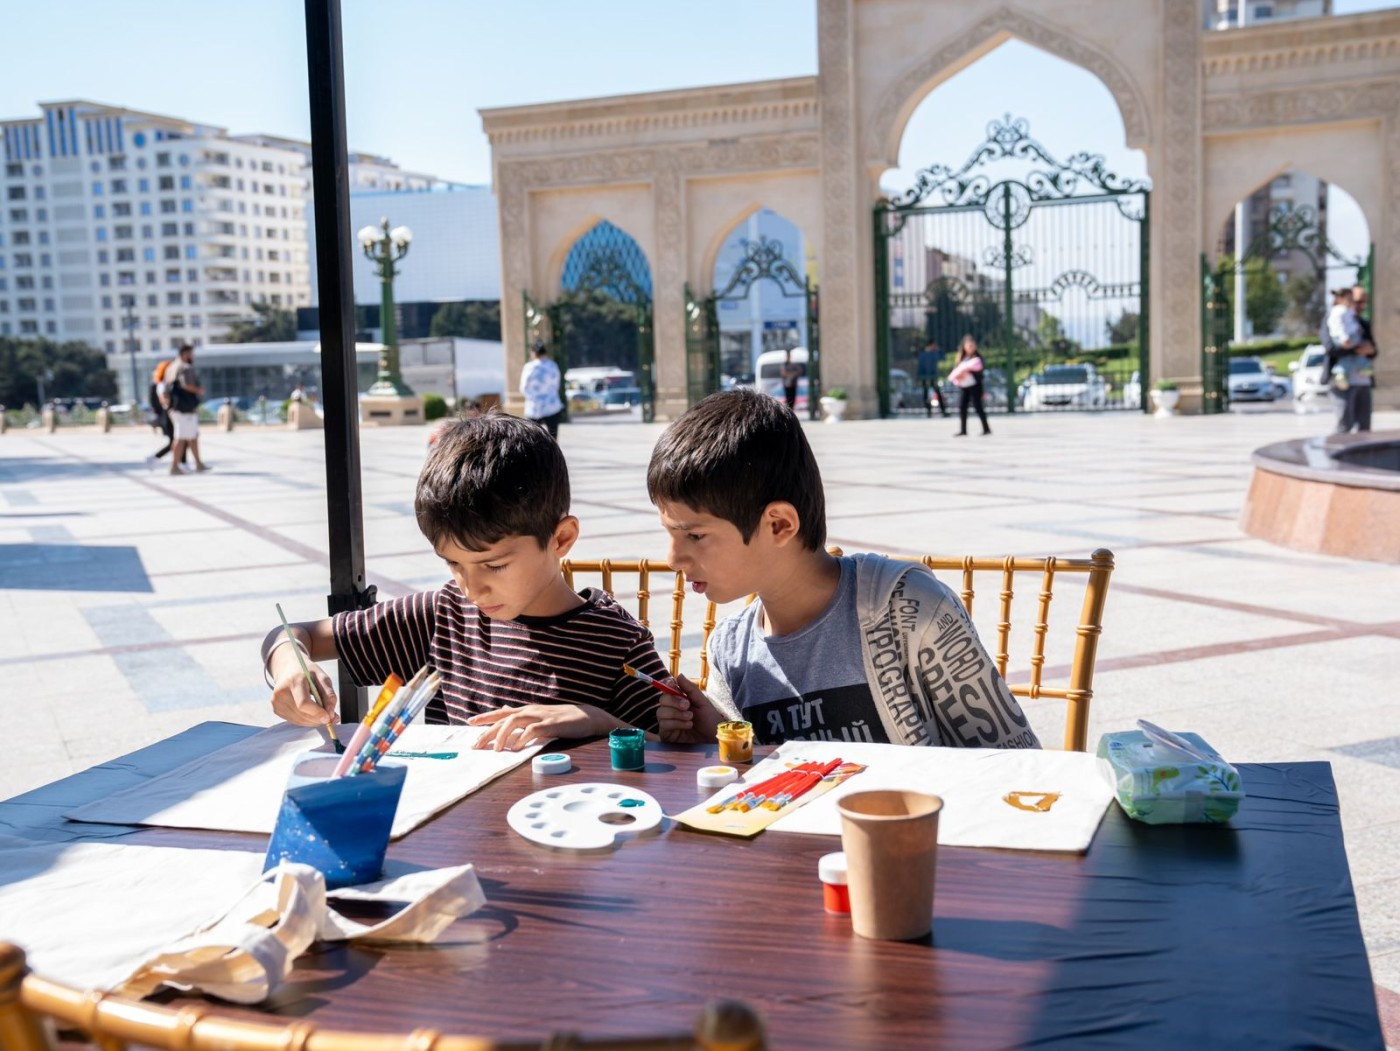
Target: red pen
663, 687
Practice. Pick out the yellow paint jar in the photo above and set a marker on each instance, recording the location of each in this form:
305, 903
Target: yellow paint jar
735, 742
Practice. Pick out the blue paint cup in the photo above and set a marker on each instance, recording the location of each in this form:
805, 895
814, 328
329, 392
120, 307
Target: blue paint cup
628, 746
339, 826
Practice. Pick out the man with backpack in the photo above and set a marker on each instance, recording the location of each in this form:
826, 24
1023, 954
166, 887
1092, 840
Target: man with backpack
160, 417
182, 394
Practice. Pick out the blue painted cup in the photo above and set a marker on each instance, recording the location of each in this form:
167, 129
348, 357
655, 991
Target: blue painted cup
627, 746
339, 826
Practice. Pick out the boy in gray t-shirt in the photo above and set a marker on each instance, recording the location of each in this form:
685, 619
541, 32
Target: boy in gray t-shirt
856, 648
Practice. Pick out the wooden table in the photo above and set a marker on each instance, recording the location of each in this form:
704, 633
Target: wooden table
1158, 937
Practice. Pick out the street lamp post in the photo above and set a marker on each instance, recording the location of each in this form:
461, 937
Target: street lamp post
128, 302
384, 247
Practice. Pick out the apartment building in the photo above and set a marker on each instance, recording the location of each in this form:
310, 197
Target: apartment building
138, 231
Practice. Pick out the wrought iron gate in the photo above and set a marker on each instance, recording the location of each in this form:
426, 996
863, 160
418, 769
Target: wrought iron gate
605, 272
1046, 267
763, 260
1291, 228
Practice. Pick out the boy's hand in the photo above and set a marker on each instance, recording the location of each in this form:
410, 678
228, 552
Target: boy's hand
291, 698
510, 729
691, 721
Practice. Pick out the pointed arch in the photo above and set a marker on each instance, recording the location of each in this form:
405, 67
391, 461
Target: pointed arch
717, 242
587, 243
898, 101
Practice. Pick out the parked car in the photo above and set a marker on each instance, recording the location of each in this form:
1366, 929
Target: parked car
994, 391
583, 402
1248, 380
905, 391
616, 399
1310, 378
1065, 387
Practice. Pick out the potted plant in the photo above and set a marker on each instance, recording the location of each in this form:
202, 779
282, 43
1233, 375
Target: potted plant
834, 404
1164, 398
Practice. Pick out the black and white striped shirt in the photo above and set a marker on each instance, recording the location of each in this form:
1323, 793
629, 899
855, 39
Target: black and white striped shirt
486, 664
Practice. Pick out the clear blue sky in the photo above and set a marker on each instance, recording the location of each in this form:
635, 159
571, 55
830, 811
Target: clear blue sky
417, 70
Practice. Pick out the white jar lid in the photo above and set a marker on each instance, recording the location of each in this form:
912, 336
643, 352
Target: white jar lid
832, 868
716, 776
553, 763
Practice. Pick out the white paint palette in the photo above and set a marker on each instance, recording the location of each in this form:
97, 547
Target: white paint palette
583, 816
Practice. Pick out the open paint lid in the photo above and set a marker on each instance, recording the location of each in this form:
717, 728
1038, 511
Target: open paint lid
553, 763
716, 776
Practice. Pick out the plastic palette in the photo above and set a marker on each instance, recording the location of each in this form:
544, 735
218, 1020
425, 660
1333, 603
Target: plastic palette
583, 816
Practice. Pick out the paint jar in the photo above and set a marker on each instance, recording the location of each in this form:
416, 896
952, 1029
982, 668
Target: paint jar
735, 742
627, 746
831, 870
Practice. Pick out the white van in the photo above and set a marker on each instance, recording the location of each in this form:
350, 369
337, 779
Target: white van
768, 373
596, 379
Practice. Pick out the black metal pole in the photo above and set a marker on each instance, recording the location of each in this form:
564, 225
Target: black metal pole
334, 249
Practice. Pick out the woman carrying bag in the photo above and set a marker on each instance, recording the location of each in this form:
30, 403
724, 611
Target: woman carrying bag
967, 377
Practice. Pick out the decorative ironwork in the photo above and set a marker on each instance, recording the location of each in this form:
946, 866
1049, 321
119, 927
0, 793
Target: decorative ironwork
764, 260
1296, 228
995, 256
1010, 139
606, 259
1008, 309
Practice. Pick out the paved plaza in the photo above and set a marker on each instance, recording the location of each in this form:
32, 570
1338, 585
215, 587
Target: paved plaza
132, 603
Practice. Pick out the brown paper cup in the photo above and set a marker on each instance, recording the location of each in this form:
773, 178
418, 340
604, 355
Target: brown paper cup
891, 844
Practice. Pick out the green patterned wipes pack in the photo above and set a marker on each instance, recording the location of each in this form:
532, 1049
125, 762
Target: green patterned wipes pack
1166, 778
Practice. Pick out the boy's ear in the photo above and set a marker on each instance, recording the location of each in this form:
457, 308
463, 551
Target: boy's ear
780, 522
565, 536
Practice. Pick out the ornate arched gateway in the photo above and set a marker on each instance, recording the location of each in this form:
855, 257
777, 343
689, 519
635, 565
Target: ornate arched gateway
1216, 112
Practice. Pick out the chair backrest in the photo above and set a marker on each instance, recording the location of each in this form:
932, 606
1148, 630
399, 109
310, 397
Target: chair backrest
31, 1008
640, 576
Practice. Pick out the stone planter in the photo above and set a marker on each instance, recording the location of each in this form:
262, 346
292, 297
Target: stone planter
1164, 401
833, 409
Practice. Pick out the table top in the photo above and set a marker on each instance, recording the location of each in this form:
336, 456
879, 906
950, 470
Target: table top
1160, 936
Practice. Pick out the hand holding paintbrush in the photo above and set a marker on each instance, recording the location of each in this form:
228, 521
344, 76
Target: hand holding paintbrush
294, 644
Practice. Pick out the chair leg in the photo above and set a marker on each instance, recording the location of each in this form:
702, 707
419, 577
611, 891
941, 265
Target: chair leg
20, 1030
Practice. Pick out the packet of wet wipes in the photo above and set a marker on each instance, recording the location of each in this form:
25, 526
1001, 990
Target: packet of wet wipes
1165, 778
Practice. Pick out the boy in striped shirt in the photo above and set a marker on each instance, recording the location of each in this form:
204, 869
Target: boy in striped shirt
519, 651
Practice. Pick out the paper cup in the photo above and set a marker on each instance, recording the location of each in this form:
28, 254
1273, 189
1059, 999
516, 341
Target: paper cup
890, 839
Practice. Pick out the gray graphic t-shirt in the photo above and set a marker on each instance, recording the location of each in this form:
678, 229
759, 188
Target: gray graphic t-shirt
809, 685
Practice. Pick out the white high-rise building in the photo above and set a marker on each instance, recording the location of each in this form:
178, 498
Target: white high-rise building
130, 230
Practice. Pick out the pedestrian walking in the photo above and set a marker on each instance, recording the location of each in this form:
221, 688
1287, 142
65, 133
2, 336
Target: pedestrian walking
929, 358
183, 392
791, 374
966, 375
539, 383
1352, 375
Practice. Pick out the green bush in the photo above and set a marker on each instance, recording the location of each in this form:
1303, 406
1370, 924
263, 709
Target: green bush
1165, 385
839, 393
1260, 348
434, 406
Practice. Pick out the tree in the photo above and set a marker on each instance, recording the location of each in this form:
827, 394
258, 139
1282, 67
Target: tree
269, 324
1124, 330
1264, 297
599, 330
477, 319
78, 371
1306, 306
1050, 335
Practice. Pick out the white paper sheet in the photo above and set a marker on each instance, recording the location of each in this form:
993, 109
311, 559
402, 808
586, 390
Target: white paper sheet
972, 782
239, 788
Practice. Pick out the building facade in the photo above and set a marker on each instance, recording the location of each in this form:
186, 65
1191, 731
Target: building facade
130, 230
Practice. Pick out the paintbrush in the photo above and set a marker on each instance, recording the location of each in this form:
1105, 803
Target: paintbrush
310, 683
627, 669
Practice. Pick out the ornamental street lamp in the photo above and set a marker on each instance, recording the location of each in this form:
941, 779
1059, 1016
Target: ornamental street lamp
384, 247
130, 323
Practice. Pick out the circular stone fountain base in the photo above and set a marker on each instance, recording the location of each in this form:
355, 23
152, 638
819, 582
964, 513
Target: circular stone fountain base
1335, 496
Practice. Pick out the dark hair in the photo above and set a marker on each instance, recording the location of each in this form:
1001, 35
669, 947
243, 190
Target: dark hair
490, 478
732, 455
184, 347
539, 349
